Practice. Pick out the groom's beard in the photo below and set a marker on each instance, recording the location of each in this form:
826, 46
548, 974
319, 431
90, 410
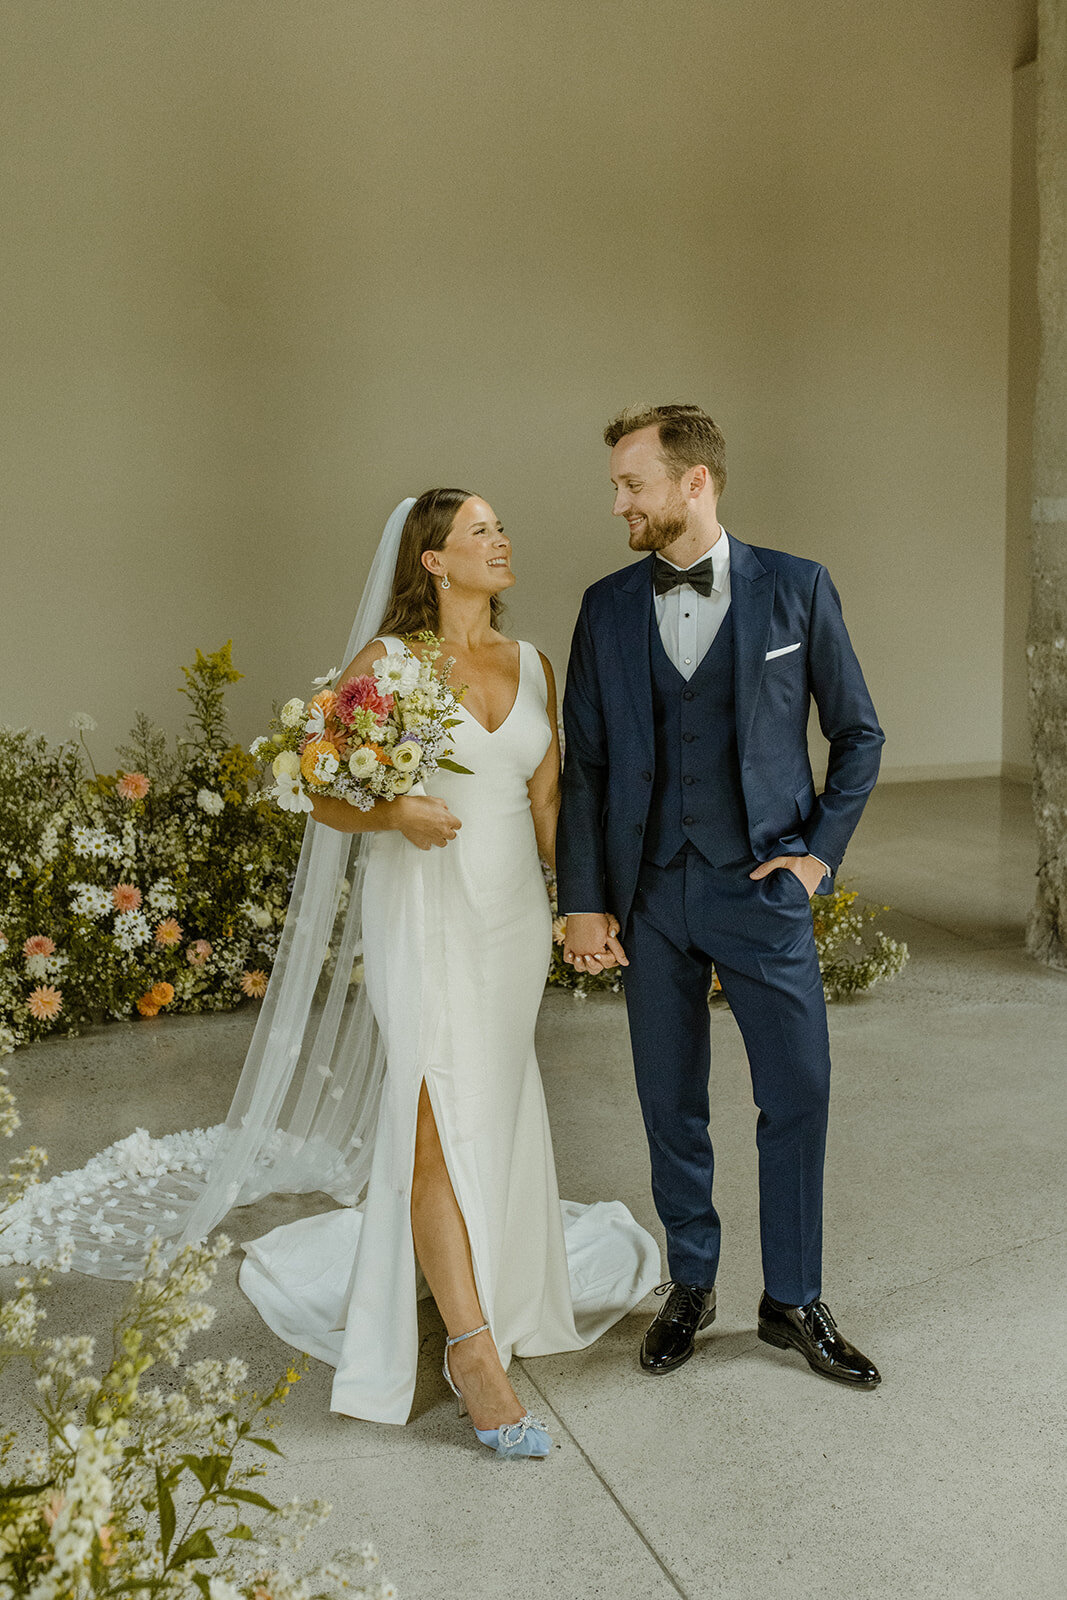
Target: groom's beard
656, 533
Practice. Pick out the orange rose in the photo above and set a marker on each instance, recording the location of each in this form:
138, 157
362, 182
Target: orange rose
312, 751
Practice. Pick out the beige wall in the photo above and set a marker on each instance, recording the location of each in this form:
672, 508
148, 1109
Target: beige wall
272, 266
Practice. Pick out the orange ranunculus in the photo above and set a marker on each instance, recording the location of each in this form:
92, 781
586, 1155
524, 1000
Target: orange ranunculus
147, 1006
312, 751
162, 993
383, 755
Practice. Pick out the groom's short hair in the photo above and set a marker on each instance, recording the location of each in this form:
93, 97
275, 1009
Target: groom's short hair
687, 438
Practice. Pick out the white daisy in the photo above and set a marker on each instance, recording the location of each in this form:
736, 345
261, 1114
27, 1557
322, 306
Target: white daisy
90, 900
397, 673
131, 930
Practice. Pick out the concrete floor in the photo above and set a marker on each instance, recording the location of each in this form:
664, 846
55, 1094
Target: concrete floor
743, 1473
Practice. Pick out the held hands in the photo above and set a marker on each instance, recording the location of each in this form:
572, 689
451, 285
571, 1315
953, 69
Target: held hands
424, 820
806, 868
591, 942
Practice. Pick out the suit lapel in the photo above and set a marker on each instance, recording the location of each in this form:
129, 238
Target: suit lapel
751, 601
633, 614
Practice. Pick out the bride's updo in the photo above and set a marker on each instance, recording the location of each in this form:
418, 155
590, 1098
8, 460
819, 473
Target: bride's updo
412, 604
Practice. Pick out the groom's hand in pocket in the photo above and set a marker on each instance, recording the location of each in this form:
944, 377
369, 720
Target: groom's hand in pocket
591, 942
807, 868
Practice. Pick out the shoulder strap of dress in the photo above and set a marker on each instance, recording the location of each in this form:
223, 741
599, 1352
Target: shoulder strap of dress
535, 669
391, 641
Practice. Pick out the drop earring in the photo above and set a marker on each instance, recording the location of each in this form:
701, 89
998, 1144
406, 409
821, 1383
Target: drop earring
444, 581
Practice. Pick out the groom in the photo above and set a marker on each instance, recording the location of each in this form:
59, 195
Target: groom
691, 833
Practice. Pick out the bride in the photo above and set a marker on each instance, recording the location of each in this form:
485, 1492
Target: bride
412, 1097
456, 938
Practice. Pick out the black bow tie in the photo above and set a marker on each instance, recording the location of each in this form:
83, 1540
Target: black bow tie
701, 578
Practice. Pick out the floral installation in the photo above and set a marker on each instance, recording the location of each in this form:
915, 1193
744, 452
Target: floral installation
159, 888
148, 1489
372, 739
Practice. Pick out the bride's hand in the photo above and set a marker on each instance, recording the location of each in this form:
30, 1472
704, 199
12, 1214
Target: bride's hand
424, 820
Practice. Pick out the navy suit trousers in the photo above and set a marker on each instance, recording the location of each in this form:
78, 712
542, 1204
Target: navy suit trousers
687, 915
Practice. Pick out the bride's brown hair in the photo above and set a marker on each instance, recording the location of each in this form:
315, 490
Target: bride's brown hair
412, 604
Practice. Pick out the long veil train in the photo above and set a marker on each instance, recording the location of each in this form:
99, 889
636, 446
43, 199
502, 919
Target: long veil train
304, 1112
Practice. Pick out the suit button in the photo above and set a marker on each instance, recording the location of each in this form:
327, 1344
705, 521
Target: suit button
687, 822
647, 776
688, 737
688, 778
688, 694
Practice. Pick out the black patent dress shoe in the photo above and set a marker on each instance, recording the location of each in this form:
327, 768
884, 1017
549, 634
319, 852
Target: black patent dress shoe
669, 1340
812, 1330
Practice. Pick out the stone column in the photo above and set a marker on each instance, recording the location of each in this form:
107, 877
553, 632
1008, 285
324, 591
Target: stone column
1047, 638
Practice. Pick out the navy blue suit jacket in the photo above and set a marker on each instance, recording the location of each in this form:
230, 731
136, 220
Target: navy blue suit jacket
776, 600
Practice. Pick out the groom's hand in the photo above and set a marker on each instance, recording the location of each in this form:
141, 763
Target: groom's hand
591, 943
806, 868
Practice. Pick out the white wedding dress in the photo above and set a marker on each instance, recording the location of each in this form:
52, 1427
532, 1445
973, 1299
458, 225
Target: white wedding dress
456, 945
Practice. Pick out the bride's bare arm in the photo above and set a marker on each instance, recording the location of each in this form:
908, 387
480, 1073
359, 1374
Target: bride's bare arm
424, 820
544, 785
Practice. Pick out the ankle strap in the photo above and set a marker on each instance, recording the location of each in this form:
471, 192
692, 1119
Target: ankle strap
461, 1336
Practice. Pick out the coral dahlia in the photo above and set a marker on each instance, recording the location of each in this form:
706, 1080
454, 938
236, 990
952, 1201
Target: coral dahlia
126, 897
168, 933
45, 1003
39, 944
254, 984
133, 785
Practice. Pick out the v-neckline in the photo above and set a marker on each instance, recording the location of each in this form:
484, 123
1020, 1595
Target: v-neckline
491, 733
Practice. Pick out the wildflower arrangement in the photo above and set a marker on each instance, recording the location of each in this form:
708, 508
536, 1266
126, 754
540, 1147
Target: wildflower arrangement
372, 739
160, 887
851, 963
150, 1489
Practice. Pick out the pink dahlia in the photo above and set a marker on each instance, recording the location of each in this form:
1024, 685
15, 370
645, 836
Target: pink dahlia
168, 933
254, 984
39, 944
361, 694
198, 952
45, 1003
133, 785
127, 897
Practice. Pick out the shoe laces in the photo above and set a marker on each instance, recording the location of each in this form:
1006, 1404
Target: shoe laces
684, 1301
821, 1323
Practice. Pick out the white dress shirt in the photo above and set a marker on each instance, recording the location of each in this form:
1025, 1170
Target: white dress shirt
688, 621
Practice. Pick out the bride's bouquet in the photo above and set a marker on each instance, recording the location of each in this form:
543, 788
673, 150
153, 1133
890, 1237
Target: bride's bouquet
373, 739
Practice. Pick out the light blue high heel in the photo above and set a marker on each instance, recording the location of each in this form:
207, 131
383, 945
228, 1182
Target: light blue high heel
527, 1437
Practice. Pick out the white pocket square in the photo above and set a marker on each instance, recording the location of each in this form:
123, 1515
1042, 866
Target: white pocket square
786, 649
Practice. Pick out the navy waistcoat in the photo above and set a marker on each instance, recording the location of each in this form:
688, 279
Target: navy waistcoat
697, 794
